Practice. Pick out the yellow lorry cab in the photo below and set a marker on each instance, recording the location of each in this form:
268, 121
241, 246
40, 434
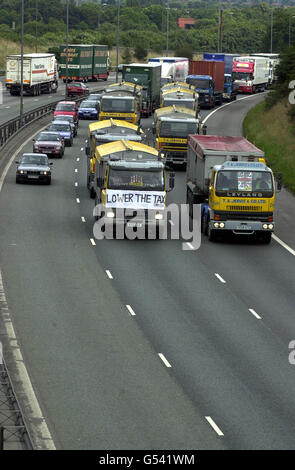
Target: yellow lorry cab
179, 97
103, 132
131, 175
121, 101
171, 127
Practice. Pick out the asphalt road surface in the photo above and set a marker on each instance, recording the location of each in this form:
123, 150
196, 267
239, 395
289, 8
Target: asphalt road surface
198, 359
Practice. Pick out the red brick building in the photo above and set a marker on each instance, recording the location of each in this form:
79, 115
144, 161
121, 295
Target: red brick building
185, 23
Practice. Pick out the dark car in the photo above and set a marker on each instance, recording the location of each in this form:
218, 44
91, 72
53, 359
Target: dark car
33, 167
50, 143
88, 110
70, 108
77, 88
70, 119
63, 128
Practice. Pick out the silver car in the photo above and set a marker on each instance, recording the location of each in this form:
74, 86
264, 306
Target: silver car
33, 167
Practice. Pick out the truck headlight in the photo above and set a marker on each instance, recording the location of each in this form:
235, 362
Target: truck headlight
270, 226
221, 225
265, 226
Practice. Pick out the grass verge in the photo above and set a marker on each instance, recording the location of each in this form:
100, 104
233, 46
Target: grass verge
272, 131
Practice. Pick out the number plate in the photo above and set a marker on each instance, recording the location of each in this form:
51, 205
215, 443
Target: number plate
34, 177
244, 227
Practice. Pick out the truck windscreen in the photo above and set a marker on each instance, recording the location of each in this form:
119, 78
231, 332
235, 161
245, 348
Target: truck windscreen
139, 78
245, 181
117, 105
177, 102
242, 76
197, 83
136, 179
177, 129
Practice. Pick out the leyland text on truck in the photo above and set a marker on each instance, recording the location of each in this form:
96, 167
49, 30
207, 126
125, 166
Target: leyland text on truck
251, 73
229, 177
103, 132
207, 76
149, 77
39, 74
131, 176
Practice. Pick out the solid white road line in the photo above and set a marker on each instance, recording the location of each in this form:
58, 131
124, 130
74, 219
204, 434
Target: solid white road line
214, 426
92, 241
41, 436
254, 313
220, 278
109, 274
131, 311
283, 244
167, 364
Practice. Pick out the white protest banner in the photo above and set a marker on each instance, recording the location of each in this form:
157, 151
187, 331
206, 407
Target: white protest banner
123, 199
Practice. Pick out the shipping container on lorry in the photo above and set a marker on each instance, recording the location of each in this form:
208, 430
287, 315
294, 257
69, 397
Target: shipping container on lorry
229, 177
274, 60
207, 76
251, 73
149, 77
39, 74
230, 88
173, 68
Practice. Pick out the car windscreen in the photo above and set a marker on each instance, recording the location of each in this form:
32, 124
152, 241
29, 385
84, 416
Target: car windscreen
47, 136
246, 181
60, 127
117, 105
62, 117
34, 160
177, 129
65, 107
136, 179
88, 104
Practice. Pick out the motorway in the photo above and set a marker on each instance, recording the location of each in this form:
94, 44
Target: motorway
198, 359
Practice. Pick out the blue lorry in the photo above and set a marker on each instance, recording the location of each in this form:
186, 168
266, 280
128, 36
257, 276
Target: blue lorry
230, 88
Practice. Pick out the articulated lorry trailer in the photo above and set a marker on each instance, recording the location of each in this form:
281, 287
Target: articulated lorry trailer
207, 76
251, 74
85, 62
230, 178
39, 74
149, 77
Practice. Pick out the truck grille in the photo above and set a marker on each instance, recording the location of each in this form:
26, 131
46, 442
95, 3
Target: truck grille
244, 208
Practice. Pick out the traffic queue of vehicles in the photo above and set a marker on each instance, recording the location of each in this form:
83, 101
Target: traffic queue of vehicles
228, 176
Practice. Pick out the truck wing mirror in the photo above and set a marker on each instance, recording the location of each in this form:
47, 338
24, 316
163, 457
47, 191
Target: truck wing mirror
279, 181
204, 130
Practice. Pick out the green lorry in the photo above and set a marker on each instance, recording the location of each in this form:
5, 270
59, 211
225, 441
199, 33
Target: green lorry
149, 77
85, 62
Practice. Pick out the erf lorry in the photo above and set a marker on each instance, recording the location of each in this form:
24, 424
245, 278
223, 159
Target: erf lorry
229, 177
85, 62
230, 88
207, 76
173, 68
39, 74
131, 177
251, 73
121, 101
149, 77
103, 132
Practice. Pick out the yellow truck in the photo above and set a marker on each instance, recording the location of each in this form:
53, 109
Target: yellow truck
229, 177
183, 97
121, 101
171, 127
131, 175
103, 132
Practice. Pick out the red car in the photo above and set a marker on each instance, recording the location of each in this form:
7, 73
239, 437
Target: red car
69, 108
78, 88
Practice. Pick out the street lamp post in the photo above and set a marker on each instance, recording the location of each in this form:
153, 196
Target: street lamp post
36, 27
167, 31
21, 110
271, 28
117, 41
67, 51
290, 19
